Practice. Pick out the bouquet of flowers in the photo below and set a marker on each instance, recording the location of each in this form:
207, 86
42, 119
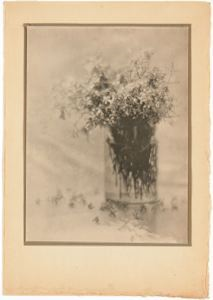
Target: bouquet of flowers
129, 102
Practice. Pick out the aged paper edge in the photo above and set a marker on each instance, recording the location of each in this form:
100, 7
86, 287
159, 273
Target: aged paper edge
10, 288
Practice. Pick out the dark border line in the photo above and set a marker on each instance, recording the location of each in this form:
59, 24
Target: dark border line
25, 127
189, 140
106, 25
66, 243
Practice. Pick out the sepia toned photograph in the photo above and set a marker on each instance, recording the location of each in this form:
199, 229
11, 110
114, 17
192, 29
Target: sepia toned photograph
107, 135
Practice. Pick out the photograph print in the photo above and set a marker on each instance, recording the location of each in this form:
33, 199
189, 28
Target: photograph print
107, 134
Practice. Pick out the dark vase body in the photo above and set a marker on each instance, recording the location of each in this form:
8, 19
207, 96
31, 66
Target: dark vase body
131, 162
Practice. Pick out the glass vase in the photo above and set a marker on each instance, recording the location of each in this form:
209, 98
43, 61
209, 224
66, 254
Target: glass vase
131, 163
